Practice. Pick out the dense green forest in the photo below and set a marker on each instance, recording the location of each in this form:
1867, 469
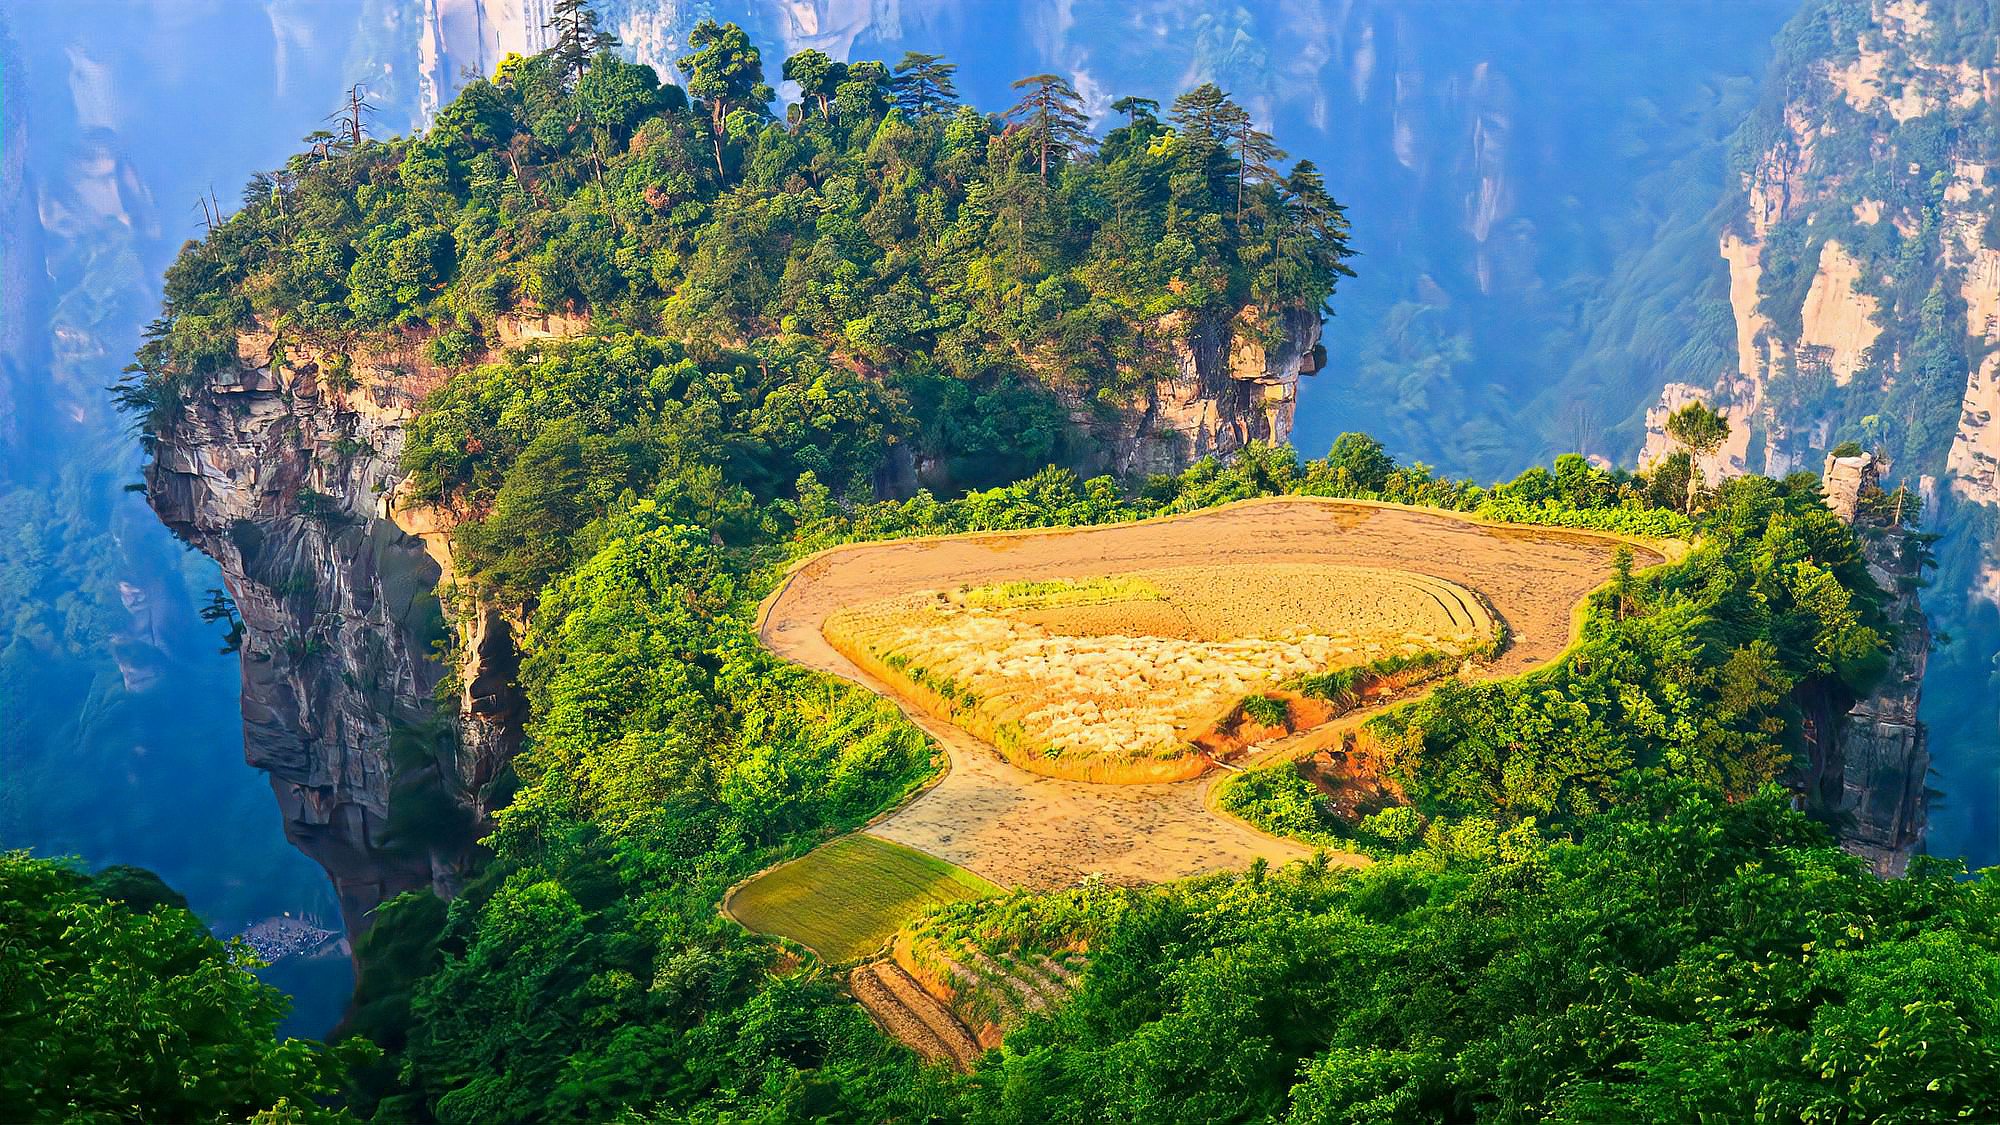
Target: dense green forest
987, 272
1597, 906
117, 1005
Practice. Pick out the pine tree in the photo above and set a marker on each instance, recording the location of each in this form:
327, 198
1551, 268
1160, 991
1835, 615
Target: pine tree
1198, 115
1052, 114
818, 76
923, 85
577, 36
1201, 126
1309, 241
1254, 150
1136, 108
1700, 429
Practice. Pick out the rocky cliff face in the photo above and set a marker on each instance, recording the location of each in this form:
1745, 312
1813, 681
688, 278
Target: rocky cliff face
1868, 767
1232, 382
280, 478
282, 468
1864, 254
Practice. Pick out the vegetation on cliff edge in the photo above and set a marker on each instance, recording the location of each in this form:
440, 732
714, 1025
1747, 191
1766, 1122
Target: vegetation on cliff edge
989, 272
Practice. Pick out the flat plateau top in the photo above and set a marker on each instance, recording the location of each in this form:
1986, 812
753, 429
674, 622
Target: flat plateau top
1018, 828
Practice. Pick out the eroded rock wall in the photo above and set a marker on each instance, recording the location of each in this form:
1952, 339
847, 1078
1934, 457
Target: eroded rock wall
1868, 768
1847, 234
283, 468
1229, 382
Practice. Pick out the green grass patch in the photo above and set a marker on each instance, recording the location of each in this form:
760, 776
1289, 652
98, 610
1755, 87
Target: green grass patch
1060, 591
1267, 710
847, 899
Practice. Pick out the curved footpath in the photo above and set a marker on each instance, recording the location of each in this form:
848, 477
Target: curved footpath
1022, 829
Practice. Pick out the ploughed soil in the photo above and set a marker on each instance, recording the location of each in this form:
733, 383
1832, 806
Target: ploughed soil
913, 1015
1019, 828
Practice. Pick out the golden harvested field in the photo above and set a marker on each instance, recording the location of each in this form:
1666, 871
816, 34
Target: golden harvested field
846, 900
1020, 829
1127, 667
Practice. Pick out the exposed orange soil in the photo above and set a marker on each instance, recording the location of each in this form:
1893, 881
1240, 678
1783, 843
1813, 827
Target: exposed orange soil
913, 1015
1017, 828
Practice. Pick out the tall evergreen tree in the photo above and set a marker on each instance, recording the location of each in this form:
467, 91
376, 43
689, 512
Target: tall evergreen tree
1700, 429
1309, 241
1201, 119
923, 84
1052, 114
1136, 109
577, 36
1199, 115
1253, 149
819, 76
726, 72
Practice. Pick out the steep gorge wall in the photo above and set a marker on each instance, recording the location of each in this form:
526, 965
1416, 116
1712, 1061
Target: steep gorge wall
283, 469
1862, 249
1863, 254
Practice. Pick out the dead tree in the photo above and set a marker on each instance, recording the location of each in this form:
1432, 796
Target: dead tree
351, 120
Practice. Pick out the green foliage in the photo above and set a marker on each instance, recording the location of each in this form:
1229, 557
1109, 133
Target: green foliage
117, 1005
1694, 668
668, 756
1279, 800
979, 273
1683, 958
1266, 710
1343, 686
1573, 494
588, 972
550, 440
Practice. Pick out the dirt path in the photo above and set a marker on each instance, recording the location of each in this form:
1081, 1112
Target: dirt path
1018, 828
912, 1015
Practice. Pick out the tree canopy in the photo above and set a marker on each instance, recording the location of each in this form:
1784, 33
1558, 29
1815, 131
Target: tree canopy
117, 1005
948, 255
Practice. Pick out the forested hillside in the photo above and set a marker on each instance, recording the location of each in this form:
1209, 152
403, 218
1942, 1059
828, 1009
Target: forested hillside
1592, 900
975, 278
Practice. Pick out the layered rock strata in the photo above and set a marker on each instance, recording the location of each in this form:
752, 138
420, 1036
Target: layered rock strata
1229, 382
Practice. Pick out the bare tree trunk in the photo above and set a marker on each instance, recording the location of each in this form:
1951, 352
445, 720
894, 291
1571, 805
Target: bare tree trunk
715, 119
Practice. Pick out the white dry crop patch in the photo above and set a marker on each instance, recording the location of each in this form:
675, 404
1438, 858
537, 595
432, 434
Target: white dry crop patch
1124, 666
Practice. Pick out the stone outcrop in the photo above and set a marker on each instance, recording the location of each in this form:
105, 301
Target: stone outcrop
1844, 119
1868, 767
283, 468
1229, 382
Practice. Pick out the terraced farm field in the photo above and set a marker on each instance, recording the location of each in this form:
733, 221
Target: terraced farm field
845, 900
1017, 828
1110, 678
